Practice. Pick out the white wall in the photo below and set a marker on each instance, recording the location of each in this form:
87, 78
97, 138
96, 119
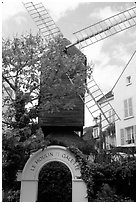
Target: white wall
121, 92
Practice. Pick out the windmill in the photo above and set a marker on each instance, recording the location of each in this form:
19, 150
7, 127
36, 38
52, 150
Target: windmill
86, 37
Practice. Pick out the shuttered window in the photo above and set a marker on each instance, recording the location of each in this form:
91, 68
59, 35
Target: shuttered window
130, 134
122, 136
128, 108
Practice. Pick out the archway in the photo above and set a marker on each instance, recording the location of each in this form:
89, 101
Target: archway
38, 160
55, 183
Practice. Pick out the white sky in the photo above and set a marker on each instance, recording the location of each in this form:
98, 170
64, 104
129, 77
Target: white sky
109, 56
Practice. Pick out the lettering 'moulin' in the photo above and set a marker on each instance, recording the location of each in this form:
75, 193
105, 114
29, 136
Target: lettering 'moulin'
55, 155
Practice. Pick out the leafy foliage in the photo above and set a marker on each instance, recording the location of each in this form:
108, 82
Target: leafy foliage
109, 181
107, 194
62, 75
55, 179
110, 130
23, 61
12, 196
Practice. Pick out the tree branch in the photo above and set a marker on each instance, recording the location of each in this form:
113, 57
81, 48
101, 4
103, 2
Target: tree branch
34, 88
11, 85
36, 98
8, 93
7, 123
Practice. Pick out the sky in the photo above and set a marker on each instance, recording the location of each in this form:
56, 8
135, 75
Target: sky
109, 56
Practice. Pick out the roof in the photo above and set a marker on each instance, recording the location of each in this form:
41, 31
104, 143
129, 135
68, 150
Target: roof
89, 128
69, 139
72, 50
106, 96
110, 93
124, 69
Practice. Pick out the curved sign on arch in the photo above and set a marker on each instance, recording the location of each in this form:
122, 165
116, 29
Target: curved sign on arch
30, 175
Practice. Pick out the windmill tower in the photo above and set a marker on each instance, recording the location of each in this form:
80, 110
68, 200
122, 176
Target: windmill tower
74, 119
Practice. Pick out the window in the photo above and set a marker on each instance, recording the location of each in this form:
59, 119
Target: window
128, 80
128, 109
96, 132
130, 135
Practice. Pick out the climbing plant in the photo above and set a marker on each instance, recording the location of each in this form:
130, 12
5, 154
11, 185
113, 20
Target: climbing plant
114, 178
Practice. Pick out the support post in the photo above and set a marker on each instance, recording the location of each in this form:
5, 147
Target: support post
79, 191
29, 191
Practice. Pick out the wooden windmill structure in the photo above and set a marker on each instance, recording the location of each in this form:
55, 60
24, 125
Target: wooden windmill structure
74, 119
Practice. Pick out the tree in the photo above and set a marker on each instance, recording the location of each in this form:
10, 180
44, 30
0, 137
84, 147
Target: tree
62, 75
23, 61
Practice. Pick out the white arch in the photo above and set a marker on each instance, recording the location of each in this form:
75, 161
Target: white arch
51, 153
40, 158
58, 160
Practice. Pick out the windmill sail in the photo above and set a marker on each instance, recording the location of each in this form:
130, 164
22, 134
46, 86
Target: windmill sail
43, 20
105, 28
92, 101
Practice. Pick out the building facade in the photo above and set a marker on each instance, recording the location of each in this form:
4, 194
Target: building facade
124, 102
122, 98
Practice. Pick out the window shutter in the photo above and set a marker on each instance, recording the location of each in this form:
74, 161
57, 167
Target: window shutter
134, 133
130, 107
125, 108
122, 136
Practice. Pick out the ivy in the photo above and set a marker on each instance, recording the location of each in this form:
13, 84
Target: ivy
108, 182
86, 173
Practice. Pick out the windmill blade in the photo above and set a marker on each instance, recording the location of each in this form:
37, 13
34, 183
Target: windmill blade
43, 20
92, 102
105, 28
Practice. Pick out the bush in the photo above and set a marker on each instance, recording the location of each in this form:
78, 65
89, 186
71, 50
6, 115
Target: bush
106, 181
12, 196
107, 194
120, 176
